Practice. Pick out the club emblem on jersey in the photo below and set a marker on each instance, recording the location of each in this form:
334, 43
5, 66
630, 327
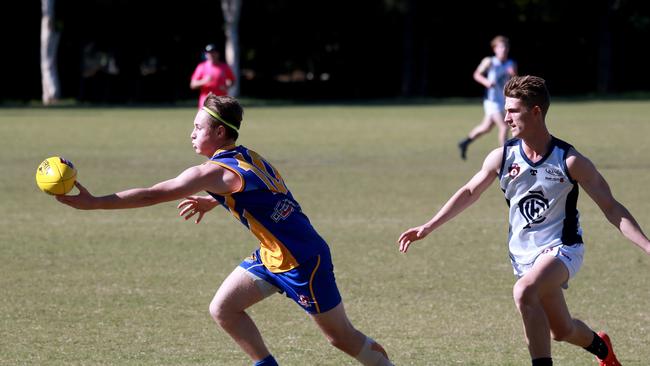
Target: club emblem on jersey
514, 169
532, 208
283, 209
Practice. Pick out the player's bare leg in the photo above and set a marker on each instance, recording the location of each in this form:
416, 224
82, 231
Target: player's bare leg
542, 282
237, 293
341, 334
564, 328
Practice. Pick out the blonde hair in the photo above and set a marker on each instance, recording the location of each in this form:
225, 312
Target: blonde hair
500, 39
227, 108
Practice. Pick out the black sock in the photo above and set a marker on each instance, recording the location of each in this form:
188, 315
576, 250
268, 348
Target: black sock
544, 361
466, 141
598, 347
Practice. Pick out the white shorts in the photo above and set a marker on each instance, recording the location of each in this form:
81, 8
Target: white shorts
491, 107
570, 255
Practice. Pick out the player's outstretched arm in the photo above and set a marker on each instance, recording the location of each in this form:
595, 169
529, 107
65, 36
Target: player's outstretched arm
463, 198
209, 177
193, 205
590, 179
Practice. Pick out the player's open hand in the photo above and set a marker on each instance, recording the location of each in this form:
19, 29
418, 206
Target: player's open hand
193, 205
411, 235
82, 201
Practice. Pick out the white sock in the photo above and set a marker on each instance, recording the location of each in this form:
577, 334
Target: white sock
372, 354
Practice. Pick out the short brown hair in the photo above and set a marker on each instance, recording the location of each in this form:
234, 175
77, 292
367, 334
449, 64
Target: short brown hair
531, 90
227, 108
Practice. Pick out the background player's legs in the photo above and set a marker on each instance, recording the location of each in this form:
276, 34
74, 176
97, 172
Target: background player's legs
498, 120
482, 128
236, 293
341, 334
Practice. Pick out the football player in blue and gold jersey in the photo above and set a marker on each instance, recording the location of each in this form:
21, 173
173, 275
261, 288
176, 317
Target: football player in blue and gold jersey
292, 258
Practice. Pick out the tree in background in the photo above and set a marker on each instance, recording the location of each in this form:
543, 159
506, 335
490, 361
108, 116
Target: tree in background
49, 45
231, 13
412, 47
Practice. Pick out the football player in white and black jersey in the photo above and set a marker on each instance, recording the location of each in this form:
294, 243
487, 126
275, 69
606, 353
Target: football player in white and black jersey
540, 176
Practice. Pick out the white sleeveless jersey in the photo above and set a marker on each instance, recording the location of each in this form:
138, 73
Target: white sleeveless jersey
542, 198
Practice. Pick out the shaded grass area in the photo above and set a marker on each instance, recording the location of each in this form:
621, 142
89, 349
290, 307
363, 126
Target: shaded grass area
132, 287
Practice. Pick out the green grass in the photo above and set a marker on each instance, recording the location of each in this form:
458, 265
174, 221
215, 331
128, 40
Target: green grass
132, 287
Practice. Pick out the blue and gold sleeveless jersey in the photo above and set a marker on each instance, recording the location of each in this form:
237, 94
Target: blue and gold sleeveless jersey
265, 205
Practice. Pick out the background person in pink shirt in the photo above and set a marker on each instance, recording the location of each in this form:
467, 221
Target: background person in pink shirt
212, 75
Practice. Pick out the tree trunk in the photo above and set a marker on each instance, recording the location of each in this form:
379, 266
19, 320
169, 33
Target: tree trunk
49, 45
231, 13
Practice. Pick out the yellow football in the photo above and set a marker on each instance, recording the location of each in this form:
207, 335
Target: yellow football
56, 175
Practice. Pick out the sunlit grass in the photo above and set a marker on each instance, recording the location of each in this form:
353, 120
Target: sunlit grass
132, 287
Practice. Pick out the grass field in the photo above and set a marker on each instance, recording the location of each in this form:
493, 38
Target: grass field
132, 287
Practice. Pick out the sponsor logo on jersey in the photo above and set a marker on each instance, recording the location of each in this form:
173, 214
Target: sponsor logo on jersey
555, 172
555, 175
555, 179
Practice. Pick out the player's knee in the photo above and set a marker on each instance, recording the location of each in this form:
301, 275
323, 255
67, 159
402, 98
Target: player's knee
218, 312
214, 310
524, 294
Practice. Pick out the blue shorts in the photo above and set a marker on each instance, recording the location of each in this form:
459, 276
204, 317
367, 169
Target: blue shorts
311, 285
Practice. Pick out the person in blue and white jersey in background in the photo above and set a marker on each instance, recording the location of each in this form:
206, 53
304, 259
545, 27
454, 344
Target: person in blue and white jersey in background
493, 72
